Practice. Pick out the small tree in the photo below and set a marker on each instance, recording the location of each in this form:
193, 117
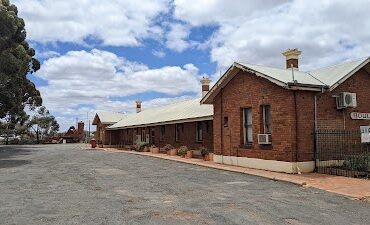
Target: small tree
43, 123
13, 125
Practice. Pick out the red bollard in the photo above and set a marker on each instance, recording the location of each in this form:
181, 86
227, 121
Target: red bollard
93, 143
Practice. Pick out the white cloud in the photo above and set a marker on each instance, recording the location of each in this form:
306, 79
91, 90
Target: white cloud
47, 54
220, 11
80, 78
258, 31
159, 53
177, 37
116, 23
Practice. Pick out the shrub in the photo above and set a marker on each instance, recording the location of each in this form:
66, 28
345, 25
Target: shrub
182, 151
204, 151
357, 162
26, 142
141, 145
153, 146
167, 147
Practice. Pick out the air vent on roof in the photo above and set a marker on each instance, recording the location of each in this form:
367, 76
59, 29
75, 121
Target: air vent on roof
346, 100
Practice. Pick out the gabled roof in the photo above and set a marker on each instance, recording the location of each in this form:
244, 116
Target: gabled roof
316, 80
107, 117
337, 74
185, 111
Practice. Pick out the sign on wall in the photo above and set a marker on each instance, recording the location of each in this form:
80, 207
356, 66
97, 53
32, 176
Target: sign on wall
360, 116
365, 134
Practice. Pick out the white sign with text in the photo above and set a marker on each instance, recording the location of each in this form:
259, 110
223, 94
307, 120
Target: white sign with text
365, 134
360, 116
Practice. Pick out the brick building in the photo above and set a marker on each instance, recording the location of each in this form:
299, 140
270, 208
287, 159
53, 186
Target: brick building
102, 120
265, 117
74, 135
183, 123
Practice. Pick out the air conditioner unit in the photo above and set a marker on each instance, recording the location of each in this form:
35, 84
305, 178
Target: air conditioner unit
264, 139
346, 100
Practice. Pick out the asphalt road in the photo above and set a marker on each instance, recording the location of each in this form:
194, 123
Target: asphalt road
63, 184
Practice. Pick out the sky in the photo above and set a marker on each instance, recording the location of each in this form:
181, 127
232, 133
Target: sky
103, 55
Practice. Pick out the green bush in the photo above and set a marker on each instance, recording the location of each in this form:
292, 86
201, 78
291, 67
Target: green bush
357, 162
204, 151
182, 151
26, 142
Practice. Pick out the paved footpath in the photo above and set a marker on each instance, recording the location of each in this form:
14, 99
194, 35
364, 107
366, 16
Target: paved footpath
351, 187
64, 184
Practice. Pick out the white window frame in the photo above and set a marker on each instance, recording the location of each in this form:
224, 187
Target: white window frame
246, 125
143, 136
162, 132
199, 131
266, 130
178, 131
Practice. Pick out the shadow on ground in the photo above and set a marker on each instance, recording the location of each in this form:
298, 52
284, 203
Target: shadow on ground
8, 155
13, 163
12, 151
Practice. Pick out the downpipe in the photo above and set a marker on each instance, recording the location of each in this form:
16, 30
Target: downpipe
298, 170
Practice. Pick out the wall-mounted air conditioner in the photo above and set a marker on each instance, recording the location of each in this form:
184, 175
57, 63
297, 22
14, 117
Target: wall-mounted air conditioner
346, 100
264, 139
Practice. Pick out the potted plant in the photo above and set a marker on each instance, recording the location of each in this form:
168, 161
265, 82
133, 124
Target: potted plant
154, 149
167, 148
100, 144
189, 154
205, 153
182, 151
141, 146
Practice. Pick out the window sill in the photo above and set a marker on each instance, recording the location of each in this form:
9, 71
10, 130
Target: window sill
246, 146
199, 142
266, 147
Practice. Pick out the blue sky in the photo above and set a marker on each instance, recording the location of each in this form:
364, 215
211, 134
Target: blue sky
103, 55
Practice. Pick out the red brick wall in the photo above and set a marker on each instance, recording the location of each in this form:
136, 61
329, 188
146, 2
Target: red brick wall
247, 90
187, 136
331, 118
102, 136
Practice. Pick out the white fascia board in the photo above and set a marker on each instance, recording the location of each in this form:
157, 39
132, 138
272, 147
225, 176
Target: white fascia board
208, 98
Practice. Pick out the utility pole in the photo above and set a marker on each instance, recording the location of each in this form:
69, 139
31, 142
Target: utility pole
89, 128
87, 120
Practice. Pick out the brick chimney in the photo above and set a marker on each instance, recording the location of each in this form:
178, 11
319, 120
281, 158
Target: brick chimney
205, 85
80, 127
138, 106
292, 56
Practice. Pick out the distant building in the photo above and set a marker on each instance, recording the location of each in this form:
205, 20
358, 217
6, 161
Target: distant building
74, 135
102, 120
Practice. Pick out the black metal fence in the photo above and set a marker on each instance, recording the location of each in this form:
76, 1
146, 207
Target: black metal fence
340, 152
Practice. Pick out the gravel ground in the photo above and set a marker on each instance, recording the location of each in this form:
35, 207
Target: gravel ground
63, 184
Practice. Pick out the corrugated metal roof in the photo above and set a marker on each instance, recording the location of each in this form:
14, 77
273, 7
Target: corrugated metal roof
334, 74
189, 110
108, 117
284, 75
329, 77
